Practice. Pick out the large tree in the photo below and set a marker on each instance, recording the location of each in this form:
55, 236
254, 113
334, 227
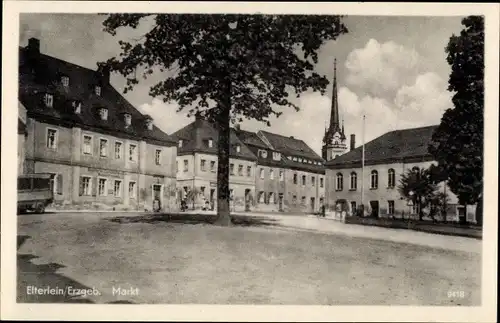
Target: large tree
226, 67
458, 141
417, 186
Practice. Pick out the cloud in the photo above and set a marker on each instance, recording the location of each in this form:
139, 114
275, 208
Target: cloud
427, 98
165, 116
379, 69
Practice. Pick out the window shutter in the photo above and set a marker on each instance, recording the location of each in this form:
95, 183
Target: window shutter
59, 184
94, 186
81, 186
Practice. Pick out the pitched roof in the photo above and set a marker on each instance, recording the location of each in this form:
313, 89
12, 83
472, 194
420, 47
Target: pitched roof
41, 73
305, 158
196, 134
398, 145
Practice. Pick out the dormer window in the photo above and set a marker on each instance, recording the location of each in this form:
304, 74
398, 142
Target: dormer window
128, 119
276, 156
103, 113
210, 143
77, 106
263, 153
97, 90
180, 143
65, 80
238, 148
149, 123
48, 100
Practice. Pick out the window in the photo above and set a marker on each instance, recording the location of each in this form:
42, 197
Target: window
52, 138
303, 180
231, 169
276, 156
231, 194
186, 165
271, 174
249, 171
263, 153
85, 186
203, 165
313, 181
271, 199
103, 113
303, 201
210, 143
77, 106
158, 156
353, 207
212, 166
180, 143
262, 173
238, 148
240, 170
202, 190
65, 81
415, 208
87, 145
103, 147
282, 176
132, 190
321, 182
132, 153
118, 188
97, 90
295, 178
340, 182
48, 100
354, 181
294, 199
58, 184
261, 197
118, 150
391, 178
390, 207
102, 187
374, 179
289, 157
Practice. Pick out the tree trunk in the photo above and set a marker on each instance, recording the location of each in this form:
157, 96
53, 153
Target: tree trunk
223, 147
479, 211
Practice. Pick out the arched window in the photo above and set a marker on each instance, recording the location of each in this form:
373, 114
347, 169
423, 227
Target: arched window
340, 182
354, 181
391, 178
374, 180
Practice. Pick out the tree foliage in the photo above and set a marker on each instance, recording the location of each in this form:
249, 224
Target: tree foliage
417, 185
226, 68
458, 141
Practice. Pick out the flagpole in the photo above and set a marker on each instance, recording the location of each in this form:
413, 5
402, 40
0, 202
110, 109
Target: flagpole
363, 166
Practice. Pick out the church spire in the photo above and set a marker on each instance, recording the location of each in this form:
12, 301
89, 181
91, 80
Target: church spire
334, 116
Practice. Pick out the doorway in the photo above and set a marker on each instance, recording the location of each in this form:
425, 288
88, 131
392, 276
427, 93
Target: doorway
280, 201
313, 204
157, 198
212, 198
374, 206
247, 199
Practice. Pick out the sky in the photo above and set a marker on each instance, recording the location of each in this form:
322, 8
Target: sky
391, 69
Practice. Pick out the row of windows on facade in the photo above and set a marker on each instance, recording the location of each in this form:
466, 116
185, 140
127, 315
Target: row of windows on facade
103, 112
414, 209
353, 180
270, 198
86, 186
88, 147
210, 144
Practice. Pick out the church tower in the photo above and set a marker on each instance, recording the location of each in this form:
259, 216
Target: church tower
334, 141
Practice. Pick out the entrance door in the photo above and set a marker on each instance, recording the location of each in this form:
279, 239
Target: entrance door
157, 197
313, 203
374, 207
280, 201
212, 197
247, 199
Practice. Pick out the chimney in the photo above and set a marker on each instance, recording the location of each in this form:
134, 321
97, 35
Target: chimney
34, 45
353, 141
104, 71
291, 137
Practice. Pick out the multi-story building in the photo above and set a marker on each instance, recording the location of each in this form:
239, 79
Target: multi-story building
102, 151
21, 138
197, 166
386, 159
290, 175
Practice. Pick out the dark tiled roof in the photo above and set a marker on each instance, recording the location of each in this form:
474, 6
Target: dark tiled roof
393, 146
196, 134
286, 147
46, 77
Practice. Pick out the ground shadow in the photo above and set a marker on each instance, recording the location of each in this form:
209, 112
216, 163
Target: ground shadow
194, 218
